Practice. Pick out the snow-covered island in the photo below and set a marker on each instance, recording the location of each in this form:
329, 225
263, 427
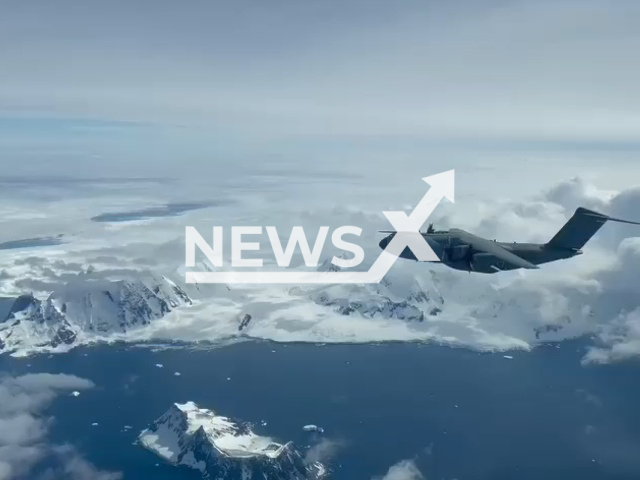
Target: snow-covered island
220, 447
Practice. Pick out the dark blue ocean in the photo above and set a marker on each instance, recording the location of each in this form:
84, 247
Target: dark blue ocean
459, 414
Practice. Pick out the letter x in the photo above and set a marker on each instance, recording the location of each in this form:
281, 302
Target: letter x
408, 234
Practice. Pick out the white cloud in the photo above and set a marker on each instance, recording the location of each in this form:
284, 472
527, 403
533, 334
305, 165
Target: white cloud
24, 429
619, 340
578, 192
324, 450
72, 466
403, 470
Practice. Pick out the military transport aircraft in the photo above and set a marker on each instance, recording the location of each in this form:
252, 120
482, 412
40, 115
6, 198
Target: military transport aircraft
464, 251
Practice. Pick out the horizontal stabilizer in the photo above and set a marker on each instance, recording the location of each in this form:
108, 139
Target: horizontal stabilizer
612, 219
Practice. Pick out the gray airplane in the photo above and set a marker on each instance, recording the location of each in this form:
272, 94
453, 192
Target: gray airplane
464, 251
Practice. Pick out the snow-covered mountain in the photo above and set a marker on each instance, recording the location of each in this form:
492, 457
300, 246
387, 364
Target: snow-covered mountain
223, 448
87, 309
410, 301
414, 303
375, 302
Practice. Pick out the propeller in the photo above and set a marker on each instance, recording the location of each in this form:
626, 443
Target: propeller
448, 253
447, 250
469, 258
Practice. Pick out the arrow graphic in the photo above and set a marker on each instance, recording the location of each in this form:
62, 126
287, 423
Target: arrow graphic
408, 234
408, 227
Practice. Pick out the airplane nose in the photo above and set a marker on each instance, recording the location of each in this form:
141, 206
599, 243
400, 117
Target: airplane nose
385, 241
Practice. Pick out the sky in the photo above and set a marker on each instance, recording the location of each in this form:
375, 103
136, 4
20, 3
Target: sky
121, 88
112, 115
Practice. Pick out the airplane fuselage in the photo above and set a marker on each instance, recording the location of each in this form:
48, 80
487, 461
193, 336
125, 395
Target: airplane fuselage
457, 254
465, 251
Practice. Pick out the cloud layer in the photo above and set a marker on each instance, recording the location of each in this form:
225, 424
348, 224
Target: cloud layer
403, 470
589, 295
520, 69
24, 449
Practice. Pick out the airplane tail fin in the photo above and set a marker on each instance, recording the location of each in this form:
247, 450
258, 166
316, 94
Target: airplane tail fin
580, 228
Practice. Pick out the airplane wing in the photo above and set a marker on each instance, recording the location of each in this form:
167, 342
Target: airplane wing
493, 248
